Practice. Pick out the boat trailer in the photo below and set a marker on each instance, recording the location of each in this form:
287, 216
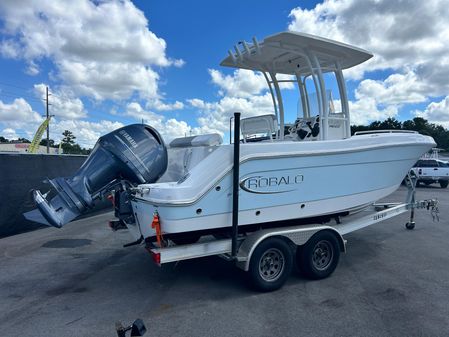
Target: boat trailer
268, 255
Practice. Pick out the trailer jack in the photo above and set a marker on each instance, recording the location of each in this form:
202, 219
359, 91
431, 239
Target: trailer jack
431, 204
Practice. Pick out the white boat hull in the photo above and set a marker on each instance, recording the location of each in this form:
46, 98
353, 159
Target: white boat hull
302, 181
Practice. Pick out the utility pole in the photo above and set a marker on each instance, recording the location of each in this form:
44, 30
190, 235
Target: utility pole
48, 125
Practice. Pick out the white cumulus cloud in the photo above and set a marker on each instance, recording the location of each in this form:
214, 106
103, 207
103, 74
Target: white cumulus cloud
436, 112
63, 104
18, 111
378, 100
242, 83
19, 120
395, 89
159, 105
169, 128
9, 134
100, 49
86, 132
215, 115
409, 40
403, 36
243, 91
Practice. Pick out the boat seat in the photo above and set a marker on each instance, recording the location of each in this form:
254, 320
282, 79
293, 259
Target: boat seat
306, 128
258, 128
186, 152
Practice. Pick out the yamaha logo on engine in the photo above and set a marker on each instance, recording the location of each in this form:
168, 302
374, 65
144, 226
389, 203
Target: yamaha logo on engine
128, 138
271, 184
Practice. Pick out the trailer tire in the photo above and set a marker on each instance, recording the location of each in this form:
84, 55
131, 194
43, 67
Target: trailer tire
444, 183
271, 264
319, 257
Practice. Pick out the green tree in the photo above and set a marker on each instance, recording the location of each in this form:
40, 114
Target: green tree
419, 124
356, 128
69, 137
44, 142
390, 124
23, 140
69, 146
3, 140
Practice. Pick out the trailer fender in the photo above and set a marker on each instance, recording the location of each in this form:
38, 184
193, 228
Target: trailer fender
295, 235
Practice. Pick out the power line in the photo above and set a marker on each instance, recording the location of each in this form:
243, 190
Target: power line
17, 95
23, 88
13, 85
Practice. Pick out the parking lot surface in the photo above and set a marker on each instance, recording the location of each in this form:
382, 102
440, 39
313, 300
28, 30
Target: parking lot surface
78, 281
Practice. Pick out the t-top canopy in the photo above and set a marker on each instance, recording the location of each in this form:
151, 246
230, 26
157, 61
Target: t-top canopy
290, 52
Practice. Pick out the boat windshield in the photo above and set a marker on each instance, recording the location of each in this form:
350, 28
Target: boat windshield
334, 106
316, 111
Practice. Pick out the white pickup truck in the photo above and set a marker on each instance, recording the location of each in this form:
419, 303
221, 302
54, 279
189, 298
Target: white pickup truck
430, 170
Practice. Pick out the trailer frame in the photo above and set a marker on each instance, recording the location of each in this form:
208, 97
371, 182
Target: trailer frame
296, 237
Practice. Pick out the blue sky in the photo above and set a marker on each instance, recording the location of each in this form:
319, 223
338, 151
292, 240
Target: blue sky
112, 63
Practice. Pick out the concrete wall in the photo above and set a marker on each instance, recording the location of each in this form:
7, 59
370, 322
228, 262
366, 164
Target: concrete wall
21, 173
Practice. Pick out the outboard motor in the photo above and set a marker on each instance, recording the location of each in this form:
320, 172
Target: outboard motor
134, 153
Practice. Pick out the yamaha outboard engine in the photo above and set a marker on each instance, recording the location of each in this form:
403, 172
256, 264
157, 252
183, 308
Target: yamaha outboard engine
134, 153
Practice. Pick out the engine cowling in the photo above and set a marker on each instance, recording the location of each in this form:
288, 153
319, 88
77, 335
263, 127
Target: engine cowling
135, 153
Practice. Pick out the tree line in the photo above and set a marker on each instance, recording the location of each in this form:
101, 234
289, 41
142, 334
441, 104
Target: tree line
419, 124
68, 144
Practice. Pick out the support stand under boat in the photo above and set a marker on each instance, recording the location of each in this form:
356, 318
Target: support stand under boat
235, 184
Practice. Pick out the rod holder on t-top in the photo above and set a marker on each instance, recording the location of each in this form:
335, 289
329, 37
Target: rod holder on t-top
235, 184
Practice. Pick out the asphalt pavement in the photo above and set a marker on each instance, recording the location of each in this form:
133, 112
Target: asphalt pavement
78, 281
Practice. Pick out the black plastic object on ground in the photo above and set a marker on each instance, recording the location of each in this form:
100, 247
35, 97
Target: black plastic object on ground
137, 329
135, 153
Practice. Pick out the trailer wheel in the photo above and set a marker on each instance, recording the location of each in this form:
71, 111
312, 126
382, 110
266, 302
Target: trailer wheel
444, 183
270, 264
410, 225
319, 257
